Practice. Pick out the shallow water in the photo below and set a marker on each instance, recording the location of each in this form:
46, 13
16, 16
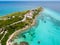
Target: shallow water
47, 28
45, 32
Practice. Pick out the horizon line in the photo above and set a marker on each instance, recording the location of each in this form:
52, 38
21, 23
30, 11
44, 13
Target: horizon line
30, 1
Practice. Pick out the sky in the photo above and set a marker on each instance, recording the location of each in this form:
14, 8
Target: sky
29, 0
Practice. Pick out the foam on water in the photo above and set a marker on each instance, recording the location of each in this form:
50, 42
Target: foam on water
45, 32
52, 13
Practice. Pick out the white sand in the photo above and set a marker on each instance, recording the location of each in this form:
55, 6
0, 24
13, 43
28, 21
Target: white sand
18, 31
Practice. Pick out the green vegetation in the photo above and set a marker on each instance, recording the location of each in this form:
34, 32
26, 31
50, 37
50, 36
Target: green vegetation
18, 16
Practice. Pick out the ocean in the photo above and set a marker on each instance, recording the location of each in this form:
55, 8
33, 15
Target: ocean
15, 6
46, 31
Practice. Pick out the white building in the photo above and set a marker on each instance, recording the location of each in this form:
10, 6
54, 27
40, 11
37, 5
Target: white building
30, 14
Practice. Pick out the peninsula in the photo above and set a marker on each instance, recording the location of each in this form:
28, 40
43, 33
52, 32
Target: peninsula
12, 24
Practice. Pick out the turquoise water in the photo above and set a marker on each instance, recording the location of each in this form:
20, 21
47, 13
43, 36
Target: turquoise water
7, 7
46, 31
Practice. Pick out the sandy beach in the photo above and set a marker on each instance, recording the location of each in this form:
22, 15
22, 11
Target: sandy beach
21, 30
18, 31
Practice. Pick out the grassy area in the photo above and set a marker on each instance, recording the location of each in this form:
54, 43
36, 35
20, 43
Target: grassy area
18, 16
11, 29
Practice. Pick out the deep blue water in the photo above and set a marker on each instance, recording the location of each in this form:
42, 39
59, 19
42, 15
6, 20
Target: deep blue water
47, 28
10, 7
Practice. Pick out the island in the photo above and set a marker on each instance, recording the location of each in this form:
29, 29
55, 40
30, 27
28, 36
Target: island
14, 23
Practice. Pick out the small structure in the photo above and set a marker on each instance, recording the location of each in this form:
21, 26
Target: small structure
13, 16
1, 32
4, 18
30, 14
24, 43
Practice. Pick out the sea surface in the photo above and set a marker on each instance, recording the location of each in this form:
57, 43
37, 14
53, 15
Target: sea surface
46, 31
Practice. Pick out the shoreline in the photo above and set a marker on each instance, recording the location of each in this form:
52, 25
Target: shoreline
20, 30
14, 27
